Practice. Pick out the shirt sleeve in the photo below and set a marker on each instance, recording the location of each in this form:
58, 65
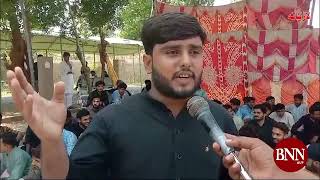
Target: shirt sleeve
90, 158
115, 97
291, 121
19, 167
71, 141
296, 126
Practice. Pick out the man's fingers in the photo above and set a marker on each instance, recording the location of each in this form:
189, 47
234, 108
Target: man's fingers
234, 171
216, 147
244, 142
10, 75
18, 94
228, 161
58, 93
23, 81
27, 109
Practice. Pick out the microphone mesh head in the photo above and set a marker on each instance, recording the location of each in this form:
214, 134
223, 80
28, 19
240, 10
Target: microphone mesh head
195, 104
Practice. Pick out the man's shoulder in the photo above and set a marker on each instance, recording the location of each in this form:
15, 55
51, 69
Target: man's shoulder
222, 117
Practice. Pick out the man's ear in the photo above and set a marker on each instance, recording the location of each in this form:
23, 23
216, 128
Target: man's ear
147, 61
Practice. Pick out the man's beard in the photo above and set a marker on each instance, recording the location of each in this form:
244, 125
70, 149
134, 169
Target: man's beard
162, 84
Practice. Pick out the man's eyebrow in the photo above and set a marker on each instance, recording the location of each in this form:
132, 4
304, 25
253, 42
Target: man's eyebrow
170, 47
195, 46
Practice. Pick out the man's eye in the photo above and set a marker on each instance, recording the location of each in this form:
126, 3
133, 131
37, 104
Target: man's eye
172, 52
195, 52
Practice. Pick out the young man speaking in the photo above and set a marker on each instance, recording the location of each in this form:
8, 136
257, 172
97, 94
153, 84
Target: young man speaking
149, 135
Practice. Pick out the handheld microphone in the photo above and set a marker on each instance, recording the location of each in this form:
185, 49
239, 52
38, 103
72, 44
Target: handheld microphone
198, 108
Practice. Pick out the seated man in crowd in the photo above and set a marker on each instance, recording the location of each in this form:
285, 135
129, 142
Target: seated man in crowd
307, 129
95, 106
237, 120
235, 104
245, 111
263, 124
280, 115
84, 120
15, 161
279, 132
100, 92
93, 78
120, 93
249, 130
271, 101
147, 86
298, 109
313, 163
35, 170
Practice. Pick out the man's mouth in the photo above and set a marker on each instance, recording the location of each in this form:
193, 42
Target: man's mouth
184, 75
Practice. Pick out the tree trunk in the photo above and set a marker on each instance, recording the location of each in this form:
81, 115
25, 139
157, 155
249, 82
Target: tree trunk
102, 52
18, 53
78, 50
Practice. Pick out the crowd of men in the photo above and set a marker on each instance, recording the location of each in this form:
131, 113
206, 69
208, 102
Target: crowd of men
268, 121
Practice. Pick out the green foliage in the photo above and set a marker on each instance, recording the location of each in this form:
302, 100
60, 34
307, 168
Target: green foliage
137, 11
132, 16
101, 13
46, 13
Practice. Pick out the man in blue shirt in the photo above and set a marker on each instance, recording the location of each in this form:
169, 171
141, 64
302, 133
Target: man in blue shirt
245, 111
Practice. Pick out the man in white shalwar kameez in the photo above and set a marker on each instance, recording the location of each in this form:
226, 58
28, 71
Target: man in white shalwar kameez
67, 77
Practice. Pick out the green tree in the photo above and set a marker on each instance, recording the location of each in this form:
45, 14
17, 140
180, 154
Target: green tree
101, 16
137, 11
41, 14
132, 16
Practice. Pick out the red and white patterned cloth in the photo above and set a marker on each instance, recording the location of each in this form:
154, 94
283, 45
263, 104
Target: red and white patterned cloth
253, 49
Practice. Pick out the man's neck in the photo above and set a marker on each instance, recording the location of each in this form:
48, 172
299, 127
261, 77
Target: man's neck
297, 105
174, 105
81, 126
261, 122
10, 149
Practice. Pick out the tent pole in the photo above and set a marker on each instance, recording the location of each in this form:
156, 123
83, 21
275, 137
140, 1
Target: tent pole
134, 73
140, 66
312, 11
94, 60
61, 48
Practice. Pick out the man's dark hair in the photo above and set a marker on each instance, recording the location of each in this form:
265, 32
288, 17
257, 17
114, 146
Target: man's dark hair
314, 107
279, 107
69, 114
9, 138
247, 99
122, 85
100, 83
147, 81
168, 27
282, 126
40, 55
249, 130
298, 96
235, 101
96, 95
262, 107
268, 106
66, 54
82, 112
269, 98
227, 106
217, 101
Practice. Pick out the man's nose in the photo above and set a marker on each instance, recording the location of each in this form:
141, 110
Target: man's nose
186, 59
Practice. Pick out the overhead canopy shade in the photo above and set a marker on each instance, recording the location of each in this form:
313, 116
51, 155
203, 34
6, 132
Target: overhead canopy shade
43, 42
